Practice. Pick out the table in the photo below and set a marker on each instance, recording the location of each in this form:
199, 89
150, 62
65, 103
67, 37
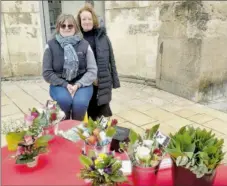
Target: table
60, 166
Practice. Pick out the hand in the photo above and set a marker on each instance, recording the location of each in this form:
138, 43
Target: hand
95, 82
74, 88
70, 88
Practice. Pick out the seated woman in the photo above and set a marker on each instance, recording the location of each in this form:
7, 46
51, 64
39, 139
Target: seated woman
69, 66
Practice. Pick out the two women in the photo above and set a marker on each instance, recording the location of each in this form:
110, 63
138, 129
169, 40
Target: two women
69, 66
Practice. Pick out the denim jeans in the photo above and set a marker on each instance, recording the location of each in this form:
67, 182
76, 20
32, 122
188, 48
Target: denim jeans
77, 105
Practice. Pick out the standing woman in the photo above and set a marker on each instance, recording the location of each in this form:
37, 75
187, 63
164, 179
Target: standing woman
69, 67
107, 72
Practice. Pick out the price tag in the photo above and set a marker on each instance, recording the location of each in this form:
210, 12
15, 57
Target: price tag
162, 139
103, 122
166, 163
126, 167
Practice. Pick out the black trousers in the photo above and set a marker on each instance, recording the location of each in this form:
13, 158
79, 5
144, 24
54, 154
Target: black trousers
94, 111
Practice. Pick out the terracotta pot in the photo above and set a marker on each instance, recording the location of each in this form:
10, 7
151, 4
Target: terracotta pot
33, 163
145, 176
184, 177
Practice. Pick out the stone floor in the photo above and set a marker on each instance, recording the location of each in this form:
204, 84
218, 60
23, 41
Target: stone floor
135, 106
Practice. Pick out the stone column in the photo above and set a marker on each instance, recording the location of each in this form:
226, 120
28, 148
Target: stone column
22, 38
192, 58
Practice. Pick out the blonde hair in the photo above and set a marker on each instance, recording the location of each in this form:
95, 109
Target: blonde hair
70, 18
94, 16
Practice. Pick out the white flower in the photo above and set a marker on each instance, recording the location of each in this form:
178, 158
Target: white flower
143, 152
101, 171
148, 143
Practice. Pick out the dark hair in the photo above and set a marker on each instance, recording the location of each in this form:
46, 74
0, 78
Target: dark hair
94, 16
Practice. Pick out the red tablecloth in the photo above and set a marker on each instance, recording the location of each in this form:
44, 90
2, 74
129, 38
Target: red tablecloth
61, 165
58, 167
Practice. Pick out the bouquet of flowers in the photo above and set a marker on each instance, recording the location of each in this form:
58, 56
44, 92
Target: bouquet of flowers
103, 169
30, 147
48, 115
146, 150
97, 133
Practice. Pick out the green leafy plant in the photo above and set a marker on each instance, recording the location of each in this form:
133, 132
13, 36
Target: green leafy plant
99, 132
144, 150
30, 147
101, 169
196, 149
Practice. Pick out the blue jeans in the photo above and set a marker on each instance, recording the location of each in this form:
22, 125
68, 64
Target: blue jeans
77, 105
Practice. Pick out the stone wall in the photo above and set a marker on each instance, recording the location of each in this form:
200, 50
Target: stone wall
21, 41
133, 29
192, 58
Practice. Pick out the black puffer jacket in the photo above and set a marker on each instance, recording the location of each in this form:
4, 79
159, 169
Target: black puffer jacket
107, 72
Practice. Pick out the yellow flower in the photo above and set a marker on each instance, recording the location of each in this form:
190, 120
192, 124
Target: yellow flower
97, 161
102, 156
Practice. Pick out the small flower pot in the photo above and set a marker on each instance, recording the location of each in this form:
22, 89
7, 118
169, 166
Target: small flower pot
145, 176
184, 177
49, 130
95, 148
33, 163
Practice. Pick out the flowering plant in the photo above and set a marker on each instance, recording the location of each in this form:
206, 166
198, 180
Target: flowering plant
101, 169
11, 126
98, 133
30, 147
50, 114
144, 151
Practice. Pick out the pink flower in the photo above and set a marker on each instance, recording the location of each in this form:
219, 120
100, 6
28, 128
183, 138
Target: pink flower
114, 122
35, 114
28, 140
29, 119
20, 151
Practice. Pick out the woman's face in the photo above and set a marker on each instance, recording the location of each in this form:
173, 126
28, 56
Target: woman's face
67, 29
86, 21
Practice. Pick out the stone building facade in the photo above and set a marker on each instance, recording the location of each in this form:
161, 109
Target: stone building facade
179, 44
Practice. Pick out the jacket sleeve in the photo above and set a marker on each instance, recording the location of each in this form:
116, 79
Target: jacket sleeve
48, 72
113, 68
91, 75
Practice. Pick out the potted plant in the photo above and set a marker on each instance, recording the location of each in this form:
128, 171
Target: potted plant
196, 154
102, 169
14, 131
145, 152
47, 117
97, 134
29, 148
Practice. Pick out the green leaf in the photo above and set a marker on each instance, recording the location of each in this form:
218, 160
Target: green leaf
153, 131
43, 141
86, 161
91, 154
190, 148
116, 178
133, 136
110, 131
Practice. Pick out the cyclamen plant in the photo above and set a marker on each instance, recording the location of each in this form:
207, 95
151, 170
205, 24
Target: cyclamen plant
30, 147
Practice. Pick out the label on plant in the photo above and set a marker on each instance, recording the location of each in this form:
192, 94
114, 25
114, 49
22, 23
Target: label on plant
166, 163
162, 139
103, 122
102, 135
126, 167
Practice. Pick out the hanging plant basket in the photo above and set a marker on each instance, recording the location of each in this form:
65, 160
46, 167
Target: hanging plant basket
184, 177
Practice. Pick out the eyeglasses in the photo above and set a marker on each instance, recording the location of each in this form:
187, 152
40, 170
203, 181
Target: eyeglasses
63, 26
